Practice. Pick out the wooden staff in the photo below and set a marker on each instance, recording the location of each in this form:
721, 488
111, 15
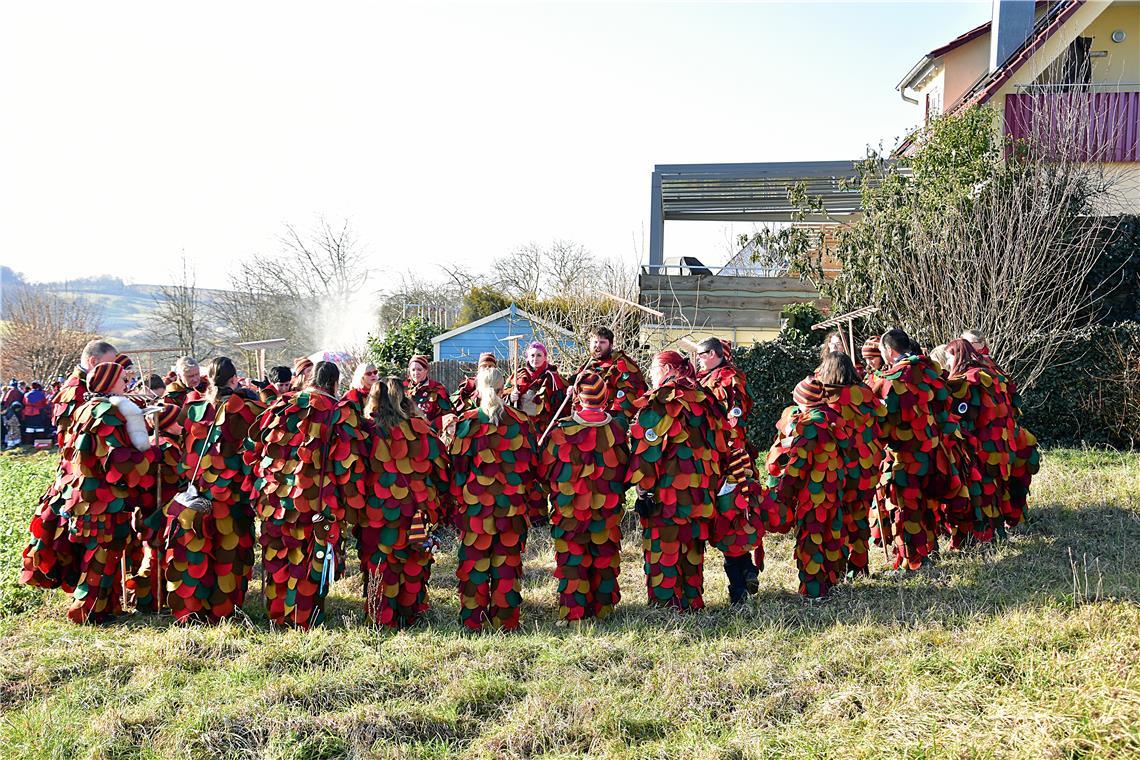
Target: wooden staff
558, 414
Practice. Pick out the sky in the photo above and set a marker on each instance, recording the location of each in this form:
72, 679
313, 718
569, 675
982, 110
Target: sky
132, 133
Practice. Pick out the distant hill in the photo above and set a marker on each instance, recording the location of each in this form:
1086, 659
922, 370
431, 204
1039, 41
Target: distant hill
126, 308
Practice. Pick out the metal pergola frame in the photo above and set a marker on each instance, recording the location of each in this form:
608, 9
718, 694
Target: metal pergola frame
745, 192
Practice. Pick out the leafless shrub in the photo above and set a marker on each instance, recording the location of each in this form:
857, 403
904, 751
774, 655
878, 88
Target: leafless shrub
43, 332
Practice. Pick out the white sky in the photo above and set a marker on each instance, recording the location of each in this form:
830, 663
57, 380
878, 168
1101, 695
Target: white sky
444, 132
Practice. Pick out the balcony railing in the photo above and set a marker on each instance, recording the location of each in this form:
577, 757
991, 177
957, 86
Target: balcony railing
1080, 122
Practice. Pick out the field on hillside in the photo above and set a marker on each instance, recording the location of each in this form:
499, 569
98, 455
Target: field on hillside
1027, 649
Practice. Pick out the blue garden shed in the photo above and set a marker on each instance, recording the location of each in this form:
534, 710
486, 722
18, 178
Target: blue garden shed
490, 334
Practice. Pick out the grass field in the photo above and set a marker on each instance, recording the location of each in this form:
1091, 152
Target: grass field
1027, 649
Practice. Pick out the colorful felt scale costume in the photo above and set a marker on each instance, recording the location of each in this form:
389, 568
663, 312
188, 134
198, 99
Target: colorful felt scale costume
539, 394
980, 411
110, 469
679, 456
585, 461
623, 379
466, 397
297, 498
493, 468
177, 393
738, 527
51, 560
807, 474
210, 553
431, 398
404, 492
917, 474
736, 530
146, 558
862, 413
1026, 459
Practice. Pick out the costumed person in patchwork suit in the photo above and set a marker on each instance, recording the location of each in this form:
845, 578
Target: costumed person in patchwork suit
493, 467
861, 412
302, 373
917, 475
807, 474
51, 560
466, 396
537, 390
428, 395
298, 498
678, 461
585, 463
736, 531
623, 379
277, 385
404, 492
211, 525
1026, 461
872, 360
979, 406
111, 457
188, 384
363, 378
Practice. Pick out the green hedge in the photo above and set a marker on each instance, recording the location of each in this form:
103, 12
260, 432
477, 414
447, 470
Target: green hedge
1092, 395
773, 369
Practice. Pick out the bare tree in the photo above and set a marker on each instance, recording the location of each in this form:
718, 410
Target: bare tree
180, 317
519, 273
313, 288
44, 332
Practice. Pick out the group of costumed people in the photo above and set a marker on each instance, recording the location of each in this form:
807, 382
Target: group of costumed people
162, 493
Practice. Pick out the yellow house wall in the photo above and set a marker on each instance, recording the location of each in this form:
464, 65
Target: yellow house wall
963, 67
1122, 65
1096, 19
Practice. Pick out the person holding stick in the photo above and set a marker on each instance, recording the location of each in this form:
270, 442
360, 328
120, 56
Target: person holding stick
210, 538
678, 460
621, 375
585, 463
428, 394
298, 499
493, 465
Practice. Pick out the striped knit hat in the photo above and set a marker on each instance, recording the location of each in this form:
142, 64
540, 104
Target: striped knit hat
808, 392
302, 365
422, 360
103, 377
591, 390
167, 417
870, 348
487, 359
124, 361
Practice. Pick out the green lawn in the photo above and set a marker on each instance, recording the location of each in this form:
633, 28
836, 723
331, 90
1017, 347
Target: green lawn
1029, 649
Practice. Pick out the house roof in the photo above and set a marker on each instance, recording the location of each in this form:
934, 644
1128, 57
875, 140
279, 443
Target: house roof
938, 52
989, 85
511, 311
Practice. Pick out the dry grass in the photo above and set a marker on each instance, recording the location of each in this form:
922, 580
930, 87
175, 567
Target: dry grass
1027, 649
